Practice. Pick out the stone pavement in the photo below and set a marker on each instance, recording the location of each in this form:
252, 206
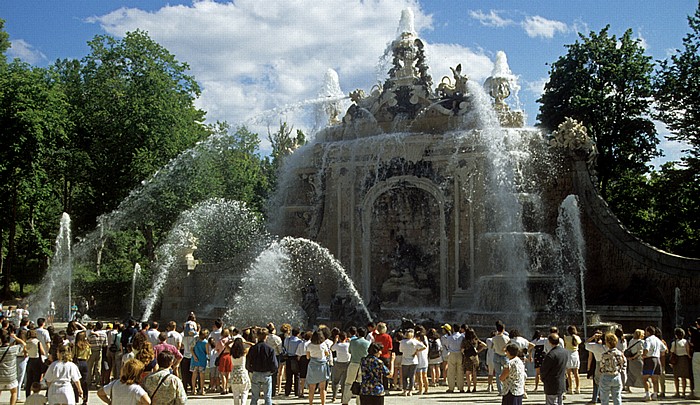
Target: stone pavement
439, 396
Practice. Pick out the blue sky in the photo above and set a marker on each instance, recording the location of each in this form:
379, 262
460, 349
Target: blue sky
253, 58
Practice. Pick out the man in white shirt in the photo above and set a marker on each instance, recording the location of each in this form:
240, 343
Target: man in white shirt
500, 341
43, 335
653, 347
153, 333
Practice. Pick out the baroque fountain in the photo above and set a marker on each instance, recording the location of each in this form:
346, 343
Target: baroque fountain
432, 202
435, 198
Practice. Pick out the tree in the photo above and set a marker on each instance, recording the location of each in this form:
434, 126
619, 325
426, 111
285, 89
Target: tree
33, 119
135, 111
678, 92
677, 87
605, 83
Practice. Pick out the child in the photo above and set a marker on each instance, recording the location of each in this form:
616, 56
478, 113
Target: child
213, 370
36, 398
513, 377
200, 359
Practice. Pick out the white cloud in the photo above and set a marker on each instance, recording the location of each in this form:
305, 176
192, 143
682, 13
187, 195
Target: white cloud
25, 51
538, 26
642, 41
537, 86
251, 57
672, 150
492, 19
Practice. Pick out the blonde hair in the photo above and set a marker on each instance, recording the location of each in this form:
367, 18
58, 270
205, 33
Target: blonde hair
639, 334
611, 340
131, 372
381, 327
409, 334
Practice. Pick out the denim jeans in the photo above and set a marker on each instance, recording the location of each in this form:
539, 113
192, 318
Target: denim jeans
408, 374
261, 381
610, 385
498, 362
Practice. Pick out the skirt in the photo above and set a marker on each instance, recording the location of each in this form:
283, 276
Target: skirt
225, 363
539, 356
574, 361
634, 373
239, 375
682, 369
318, 371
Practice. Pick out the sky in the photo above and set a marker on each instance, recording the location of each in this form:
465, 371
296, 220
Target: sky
259, 61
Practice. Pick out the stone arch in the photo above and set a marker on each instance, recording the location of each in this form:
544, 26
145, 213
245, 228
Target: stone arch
367, 205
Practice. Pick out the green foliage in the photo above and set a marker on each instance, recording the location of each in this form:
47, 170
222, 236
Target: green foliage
4, 42
33, 121
283, 144
678, 92
605, 83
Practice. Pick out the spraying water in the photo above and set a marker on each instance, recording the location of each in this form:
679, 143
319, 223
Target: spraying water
59, 276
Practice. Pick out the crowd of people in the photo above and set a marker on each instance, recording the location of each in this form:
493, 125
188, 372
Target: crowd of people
144, 363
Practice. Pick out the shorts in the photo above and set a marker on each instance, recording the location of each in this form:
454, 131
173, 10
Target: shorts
652, 366
10, 386
422, 370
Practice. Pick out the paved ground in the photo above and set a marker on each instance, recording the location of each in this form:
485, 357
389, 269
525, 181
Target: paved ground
438, 396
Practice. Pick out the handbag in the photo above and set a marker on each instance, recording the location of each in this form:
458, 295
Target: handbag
355, 388
673, 358
628, 352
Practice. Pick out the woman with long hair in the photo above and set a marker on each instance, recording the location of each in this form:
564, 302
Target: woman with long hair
126, 390
225, 361
318, 371
536, 355
81, 354
682, 368
434, 356
34, 365
422, 367
61, 376
148, 358
239, 382
571, 343
471, 347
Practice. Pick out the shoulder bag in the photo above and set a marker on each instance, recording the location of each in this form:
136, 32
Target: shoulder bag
628, 352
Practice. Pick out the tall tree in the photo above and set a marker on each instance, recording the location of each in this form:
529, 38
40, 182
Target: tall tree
678, 185
678, 92
33, 119
605, 82
136, 113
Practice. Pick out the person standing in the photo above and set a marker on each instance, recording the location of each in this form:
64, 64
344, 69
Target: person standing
358, 349
374, 372
341, 348
553, 372
410, 347
240, 381
97, 340
653, 347
500, 341
453, 346
63, 379
513, 377
387, 354
162, 386
635, 362
262, 362
694, 335
291, 346
612, 365
571, 343
8, 364
275, 342
318, 352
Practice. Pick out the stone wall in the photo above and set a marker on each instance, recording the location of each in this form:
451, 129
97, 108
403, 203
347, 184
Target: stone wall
623, 270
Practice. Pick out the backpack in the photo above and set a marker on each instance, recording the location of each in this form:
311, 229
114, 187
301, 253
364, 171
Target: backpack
433, 349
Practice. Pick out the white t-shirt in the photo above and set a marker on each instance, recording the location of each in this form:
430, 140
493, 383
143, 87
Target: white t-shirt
680, 347
654, 346
342, 351
174, 338
152, 335
123, 394
499, 344
408, 348
423, 355
43, 336
318, 351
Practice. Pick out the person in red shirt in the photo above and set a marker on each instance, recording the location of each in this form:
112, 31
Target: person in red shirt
387, 354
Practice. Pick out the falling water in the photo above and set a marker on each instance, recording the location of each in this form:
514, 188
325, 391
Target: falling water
137, 271
58, 276
572, 252
215, 224
271, 289
505, 154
